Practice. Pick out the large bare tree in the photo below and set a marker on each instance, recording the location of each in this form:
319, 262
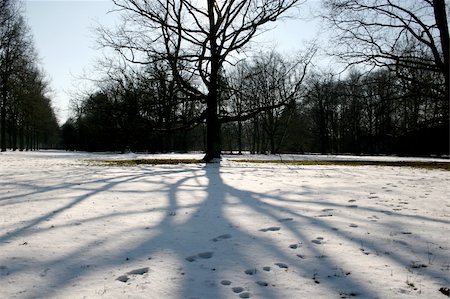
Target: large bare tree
196, 38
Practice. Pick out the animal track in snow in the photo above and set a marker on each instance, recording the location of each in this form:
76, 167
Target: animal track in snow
245, 295
267, 268
250, 271
237, 290
272, 229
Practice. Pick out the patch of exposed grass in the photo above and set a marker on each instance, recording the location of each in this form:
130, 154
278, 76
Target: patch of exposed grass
147, 162
415, 164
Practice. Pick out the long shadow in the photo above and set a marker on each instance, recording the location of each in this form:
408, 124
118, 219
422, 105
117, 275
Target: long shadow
199, 242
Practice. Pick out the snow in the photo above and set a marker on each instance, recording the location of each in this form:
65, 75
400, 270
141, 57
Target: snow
70, 228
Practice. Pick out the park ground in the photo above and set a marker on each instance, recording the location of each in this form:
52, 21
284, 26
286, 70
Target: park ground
81, 225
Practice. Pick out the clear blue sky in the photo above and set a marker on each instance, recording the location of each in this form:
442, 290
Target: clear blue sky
65, 40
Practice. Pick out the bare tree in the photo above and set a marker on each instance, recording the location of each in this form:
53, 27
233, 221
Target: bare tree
265, 90
196, 38
397, 34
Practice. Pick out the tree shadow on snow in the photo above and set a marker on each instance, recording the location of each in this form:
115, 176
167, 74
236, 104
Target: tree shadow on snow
196, 232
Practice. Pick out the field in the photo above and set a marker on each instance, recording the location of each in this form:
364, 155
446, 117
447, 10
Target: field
80, 225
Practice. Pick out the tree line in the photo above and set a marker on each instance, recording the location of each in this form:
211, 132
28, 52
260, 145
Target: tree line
176, 80
269, 104
174, 83
27, 119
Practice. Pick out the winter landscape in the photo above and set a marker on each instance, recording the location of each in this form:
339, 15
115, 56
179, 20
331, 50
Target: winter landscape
72, 226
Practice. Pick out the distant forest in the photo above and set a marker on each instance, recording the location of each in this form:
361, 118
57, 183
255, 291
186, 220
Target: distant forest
178, 88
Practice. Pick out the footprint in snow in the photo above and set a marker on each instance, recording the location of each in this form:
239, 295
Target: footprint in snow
262, 283
140, 271
272, 229
240, 290
373, 218
353, 225
285, 219
282, 265
4, 270
225, 282
250, 271
245, 295
317, 240
222, 237
203, 255
123, 278
44, 273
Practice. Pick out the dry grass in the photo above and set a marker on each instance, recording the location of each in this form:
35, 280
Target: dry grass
147, 162
415, 164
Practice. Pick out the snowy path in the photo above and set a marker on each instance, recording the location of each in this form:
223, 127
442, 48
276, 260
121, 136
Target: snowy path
71, 229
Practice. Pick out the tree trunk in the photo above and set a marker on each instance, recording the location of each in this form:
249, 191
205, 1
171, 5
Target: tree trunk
21, 137
442, 24
213, 145
14, 134
3, 117
240, 137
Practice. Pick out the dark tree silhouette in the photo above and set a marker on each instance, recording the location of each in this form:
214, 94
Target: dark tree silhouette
195, 40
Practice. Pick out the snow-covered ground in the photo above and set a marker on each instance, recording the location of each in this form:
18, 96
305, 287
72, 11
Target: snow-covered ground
74, 229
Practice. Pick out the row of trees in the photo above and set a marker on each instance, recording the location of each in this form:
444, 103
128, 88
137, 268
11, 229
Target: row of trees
170, 87
27, 118
377, 113
145, 109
